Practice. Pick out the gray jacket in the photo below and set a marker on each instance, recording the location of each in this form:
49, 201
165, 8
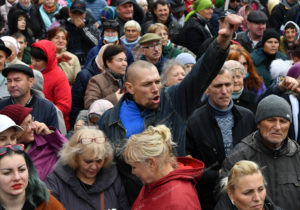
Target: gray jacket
280, 168
66, 187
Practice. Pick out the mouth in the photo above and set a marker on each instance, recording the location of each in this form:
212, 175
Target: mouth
259, 206
17, 186
156, 100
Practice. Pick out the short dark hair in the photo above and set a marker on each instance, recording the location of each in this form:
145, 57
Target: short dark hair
38, 53
162, 2
52, 33
111, 51
290, 26
18, 35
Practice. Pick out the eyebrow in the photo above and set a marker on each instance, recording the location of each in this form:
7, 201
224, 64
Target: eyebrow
10, 168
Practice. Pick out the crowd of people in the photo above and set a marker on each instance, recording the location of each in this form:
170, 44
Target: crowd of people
149, 104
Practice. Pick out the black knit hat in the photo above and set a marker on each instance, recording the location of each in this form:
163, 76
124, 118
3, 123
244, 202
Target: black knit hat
268, 34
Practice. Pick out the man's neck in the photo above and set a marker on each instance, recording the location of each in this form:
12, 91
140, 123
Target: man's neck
22, 101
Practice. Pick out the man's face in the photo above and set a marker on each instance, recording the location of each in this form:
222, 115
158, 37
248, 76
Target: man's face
145, 88
152, 51
19, 84
256, 29
22, 42
77, 15
273, 130
290, 35
125, 11
162, 13
220, 90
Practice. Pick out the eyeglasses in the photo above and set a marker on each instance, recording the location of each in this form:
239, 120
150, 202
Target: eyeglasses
152, 46
13, 147
97, 140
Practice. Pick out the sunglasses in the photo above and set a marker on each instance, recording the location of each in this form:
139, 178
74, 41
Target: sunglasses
13, 147
97, 140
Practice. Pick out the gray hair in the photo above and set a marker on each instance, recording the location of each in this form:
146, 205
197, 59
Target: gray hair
132, 23
167, 67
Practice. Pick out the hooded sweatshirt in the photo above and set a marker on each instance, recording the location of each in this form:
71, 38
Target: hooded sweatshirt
56, 85
175, 191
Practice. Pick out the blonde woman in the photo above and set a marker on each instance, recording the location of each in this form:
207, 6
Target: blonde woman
167, 183
85, 177
246, 189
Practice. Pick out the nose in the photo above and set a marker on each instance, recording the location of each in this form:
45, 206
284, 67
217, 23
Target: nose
256, 196
223, 89
16, 176
155, 88
277, 125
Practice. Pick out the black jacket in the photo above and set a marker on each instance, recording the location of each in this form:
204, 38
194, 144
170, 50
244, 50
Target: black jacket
247, 99
280, 167
204, 142
194, 33
278, 16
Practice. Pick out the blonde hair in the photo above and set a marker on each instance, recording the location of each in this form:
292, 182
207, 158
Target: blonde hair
153, 142
73, 148
153, 27
240, 169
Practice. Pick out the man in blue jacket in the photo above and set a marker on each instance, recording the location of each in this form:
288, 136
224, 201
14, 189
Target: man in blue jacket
147, 103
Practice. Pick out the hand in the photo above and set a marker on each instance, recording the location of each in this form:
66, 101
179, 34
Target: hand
64, 58
96, 24
78, 125
289, 83
227, 27
119, 94
41, 129
78, 22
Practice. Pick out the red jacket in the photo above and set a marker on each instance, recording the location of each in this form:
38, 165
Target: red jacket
175, 191
56, 85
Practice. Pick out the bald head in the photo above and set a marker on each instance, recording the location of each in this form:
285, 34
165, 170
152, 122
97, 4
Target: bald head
134, 70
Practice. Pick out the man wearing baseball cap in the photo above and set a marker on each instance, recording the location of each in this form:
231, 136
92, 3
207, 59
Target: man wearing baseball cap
273, 151
83, 34
20, 79
8, 130
256, 22
151, 49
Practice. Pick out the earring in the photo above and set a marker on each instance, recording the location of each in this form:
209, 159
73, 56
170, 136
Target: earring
232, 202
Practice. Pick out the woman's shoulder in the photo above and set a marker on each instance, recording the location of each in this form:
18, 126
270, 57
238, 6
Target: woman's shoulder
51, 204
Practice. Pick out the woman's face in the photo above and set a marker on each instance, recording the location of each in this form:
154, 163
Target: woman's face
60, 41
38, 64
26, 136
249, 192
175, 75
143, 172
49, 3
238, 81
12, 55
118, 63
131, 33
8, 136
164, 36
189, 67
13, 175
244, 62
21, 23
88, 167
271, 46
2, 59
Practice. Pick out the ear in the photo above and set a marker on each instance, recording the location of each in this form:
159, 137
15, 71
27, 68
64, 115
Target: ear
230, 194
129, 87
207, 91
31, 81
151, 162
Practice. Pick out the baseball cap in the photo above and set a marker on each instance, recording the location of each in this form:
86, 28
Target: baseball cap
78, 6
6, 123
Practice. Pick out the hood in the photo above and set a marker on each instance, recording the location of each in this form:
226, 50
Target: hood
189, 169
50, 51
288, 148
297, 28
105, 178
